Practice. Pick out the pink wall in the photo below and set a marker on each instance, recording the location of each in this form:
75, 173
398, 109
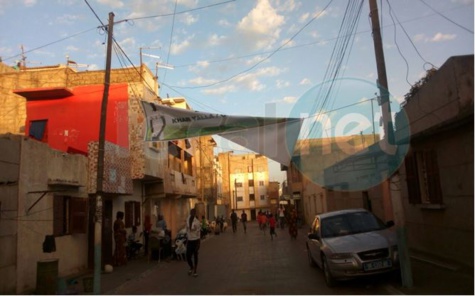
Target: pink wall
72, 122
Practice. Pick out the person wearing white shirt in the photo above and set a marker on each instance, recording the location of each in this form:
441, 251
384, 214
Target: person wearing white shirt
193, 231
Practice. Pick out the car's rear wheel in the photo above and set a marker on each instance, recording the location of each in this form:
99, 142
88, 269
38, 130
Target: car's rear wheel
329, 280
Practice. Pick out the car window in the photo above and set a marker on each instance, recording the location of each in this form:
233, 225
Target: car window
350, 223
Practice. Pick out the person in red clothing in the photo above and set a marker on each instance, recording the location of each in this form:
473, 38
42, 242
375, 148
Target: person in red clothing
272, 223
264, 222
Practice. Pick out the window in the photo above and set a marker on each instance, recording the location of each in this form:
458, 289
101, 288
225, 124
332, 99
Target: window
252, 197
69, 215
423, 181
239, 198
263, 197
251, 183
132, 213
261, 183
38, 130
238, 184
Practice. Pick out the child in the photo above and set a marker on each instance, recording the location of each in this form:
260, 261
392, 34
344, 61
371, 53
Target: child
272, 223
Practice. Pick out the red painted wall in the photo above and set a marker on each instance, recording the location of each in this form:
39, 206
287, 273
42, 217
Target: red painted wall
72, 122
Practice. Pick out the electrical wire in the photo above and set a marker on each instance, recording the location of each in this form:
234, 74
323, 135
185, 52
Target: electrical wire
182, 12
171, 39
262, 60
397, 45
48, 44
458, 25
391, 11
345, 37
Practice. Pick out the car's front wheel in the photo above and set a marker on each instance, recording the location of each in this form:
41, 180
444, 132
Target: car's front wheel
310, 259
329, 280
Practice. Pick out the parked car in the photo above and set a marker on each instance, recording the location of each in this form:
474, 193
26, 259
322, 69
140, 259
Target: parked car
351, 243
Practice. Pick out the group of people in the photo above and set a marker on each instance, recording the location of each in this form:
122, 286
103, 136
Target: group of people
194, 232
267, 219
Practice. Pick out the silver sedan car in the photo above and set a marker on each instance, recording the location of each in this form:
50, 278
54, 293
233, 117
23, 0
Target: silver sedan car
351, 243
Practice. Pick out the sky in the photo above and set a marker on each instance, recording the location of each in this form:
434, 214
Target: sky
251, 57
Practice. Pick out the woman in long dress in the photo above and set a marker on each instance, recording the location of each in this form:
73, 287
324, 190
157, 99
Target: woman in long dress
120, 238
292, 222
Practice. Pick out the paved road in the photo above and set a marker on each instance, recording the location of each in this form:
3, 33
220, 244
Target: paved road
248, 263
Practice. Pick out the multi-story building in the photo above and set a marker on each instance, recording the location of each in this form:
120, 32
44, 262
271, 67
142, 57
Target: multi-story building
61, 108
245, 181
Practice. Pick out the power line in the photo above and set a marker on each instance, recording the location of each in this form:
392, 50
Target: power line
48, 44
391, 11
460, 26
263, 60
181, 12
347, 29
171, 39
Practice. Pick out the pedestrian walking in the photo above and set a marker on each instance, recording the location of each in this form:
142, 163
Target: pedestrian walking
193, 232
244, 220
281, 216
292, 222
272, 223
234, 219
264, 222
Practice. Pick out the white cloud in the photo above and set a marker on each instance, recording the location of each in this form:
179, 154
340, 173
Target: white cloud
224, 23
214, 40
188, 3
438, 37
305, 81
419, 37
289, 99
127, 43
261, 27
202, 81
282, 83
287, 5
443, 37
67, 19
304, 17
220, 90
72, 48
254, 60
203, 64
111, 3
178, 48
188, 19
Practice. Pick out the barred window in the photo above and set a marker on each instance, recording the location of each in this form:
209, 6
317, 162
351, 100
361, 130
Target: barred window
132, 213
69, 215
423, 181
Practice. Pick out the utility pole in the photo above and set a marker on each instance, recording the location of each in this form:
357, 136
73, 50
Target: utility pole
100, 165
394, 180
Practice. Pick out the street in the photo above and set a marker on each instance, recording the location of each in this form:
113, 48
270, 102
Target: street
248, 263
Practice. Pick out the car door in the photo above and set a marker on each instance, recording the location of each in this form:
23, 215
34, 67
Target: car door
314, 241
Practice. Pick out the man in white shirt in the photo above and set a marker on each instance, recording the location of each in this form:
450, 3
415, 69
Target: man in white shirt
193, 231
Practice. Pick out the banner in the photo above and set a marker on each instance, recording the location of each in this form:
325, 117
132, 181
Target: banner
273, 137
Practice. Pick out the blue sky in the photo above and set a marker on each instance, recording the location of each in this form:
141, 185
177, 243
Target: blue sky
239, 57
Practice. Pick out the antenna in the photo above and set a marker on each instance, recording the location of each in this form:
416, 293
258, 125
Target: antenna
157, 64
71, 62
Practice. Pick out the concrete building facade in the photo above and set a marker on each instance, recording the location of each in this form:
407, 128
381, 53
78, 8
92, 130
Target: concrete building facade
141, 179
245, 183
